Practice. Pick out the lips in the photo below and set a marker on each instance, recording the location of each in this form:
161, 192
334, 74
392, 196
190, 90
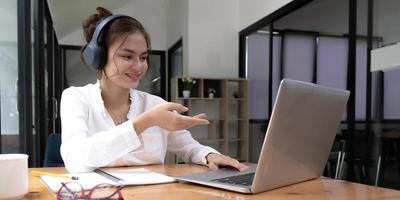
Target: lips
132, 77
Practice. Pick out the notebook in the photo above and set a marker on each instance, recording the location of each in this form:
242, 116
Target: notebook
138, 176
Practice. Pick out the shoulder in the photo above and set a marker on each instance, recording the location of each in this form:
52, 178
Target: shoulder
81, 93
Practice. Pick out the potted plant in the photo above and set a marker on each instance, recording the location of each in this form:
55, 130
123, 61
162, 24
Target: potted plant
211, 92
188, 84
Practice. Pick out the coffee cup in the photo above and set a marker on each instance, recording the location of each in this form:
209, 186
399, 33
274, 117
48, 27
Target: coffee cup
14, 176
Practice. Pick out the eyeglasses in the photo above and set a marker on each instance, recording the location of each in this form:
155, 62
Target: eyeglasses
74, 191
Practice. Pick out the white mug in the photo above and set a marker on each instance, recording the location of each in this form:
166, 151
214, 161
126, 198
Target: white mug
13, 176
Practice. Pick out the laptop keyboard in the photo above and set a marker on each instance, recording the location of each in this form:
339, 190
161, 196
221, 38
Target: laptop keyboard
243, 179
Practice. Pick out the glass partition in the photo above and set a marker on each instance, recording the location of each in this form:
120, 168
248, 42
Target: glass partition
9, 116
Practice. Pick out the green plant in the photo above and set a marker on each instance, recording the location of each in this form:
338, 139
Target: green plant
188, 83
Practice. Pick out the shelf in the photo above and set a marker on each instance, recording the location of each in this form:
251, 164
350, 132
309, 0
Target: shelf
227, 131
238, 119
237, 99
209, 140
213, 120
201, 99
236, 80
237, 139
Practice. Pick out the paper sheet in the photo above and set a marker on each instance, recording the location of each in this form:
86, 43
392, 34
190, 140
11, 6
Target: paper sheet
139, 176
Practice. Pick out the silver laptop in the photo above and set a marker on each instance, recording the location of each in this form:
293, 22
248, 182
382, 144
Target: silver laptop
302, 128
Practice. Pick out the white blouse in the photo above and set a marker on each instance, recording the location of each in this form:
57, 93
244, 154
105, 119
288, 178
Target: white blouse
90, 139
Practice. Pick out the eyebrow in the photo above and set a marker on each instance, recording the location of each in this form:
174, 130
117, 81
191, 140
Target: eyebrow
132, 51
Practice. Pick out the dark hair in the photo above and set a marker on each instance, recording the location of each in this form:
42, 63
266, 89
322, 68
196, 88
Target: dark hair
117, 28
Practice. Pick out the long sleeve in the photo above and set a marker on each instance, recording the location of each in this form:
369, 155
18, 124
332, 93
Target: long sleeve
84, 150
91, 140
183, 144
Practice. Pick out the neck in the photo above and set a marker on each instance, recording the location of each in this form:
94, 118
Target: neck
113, 95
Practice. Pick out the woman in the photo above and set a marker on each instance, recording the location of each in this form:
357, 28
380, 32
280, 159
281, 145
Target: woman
110, 123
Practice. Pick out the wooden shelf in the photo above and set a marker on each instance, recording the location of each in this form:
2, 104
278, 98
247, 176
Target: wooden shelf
201, 140
237, 139
201, 99
238, 119
227, 113
212, 120
237, 99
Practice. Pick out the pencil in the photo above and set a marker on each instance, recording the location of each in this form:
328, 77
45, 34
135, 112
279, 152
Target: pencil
109, 176
38, 173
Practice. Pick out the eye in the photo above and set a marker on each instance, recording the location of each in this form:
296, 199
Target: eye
143, 58
126, 57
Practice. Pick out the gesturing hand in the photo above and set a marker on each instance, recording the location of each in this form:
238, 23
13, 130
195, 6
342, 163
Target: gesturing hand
214, 160
167, 116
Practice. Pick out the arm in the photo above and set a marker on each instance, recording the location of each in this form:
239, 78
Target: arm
182, 143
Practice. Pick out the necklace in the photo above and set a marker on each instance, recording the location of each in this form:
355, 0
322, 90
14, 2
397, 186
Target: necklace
116, 119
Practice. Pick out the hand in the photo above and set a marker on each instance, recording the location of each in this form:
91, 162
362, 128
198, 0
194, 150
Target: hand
214, 160
167, 116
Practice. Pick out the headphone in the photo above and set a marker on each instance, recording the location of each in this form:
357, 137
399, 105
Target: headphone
94, 55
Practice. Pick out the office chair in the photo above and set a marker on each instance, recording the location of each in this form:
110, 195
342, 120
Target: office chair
52, 156
334, 165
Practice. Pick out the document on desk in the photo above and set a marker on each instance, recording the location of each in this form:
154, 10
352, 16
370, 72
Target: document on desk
139, 176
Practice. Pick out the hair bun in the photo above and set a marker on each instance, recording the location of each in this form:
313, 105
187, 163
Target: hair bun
90, 24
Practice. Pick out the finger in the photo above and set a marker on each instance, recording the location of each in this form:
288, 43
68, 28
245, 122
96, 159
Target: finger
231, 162
212, 166
192, 120
243, 167
176, 106
201, 116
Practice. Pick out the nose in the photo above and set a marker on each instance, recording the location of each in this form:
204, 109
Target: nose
137, 65
133, 63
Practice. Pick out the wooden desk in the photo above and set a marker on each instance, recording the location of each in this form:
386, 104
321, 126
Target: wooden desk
322, 188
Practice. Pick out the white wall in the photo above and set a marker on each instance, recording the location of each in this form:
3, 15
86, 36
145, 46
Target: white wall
75, 37
152, 14
253, 10
177, 20
385, 58
386, 24
177, 26
213, 38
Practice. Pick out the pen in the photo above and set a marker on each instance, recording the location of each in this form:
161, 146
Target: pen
38, 173
109, 176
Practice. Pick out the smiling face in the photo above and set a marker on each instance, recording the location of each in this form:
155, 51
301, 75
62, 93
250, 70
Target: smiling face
127, 60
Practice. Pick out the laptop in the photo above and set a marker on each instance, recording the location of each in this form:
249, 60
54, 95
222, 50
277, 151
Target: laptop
301, 132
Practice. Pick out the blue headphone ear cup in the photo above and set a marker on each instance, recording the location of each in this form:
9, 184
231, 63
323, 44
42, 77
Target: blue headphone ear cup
92, 56
89, 56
